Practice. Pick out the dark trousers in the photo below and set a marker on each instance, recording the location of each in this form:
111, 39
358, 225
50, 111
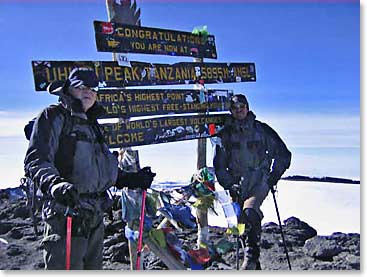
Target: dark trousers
86, 249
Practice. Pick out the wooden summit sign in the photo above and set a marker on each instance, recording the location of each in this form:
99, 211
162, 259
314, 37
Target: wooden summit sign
138, 102
162, 129
123, 38
111, 74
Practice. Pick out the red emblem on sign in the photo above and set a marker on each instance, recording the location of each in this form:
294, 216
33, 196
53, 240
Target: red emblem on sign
211, 129
107, 28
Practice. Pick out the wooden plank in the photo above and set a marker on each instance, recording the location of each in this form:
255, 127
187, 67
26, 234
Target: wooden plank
162, 130
144, 102
110, 74
124, 38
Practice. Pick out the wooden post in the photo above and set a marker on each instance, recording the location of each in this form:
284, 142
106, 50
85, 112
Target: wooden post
124, 13
201, 144
201, 215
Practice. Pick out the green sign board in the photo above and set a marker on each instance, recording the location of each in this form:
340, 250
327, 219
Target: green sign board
123, 38
162, 130
144, 102
111, 74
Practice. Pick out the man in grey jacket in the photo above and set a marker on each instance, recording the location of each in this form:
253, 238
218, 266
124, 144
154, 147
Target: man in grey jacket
71, 164
248, 161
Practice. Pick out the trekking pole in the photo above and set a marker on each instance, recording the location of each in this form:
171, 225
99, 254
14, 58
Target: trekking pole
237, 252
238, 200
280, 227
69, 221
141, 228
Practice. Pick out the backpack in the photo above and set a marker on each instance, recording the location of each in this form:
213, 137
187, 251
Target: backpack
34, 195
29, 128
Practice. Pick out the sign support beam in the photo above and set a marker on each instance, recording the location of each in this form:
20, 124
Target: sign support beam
201, 144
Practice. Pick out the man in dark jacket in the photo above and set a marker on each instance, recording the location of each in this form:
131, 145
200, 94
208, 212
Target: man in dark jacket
70, 162
249, 159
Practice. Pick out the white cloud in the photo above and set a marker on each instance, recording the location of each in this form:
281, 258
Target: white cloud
327, 207
12, 122
316, 130
319, 204
297, 130
177, 161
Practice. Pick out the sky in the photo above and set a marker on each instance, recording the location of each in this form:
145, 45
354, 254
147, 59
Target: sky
307, 57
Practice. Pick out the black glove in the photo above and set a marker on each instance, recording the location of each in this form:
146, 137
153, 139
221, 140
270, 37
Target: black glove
65, 193
273, 179
133, 180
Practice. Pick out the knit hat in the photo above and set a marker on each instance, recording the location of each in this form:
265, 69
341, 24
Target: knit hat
239, 98
77, 77
82, 76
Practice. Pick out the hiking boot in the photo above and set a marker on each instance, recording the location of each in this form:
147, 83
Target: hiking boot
251, 260
251, 240
249, 264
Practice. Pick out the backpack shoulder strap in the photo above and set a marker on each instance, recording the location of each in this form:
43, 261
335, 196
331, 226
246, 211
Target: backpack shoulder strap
68, 120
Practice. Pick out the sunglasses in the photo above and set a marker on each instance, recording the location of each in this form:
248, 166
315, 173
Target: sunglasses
238, 106
83, 87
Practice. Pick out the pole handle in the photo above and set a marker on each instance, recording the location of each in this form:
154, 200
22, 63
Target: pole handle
69, 221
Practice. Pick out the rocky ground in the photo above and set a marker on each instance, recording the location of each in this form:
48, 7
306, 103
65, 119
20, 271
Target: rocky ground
20, 249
